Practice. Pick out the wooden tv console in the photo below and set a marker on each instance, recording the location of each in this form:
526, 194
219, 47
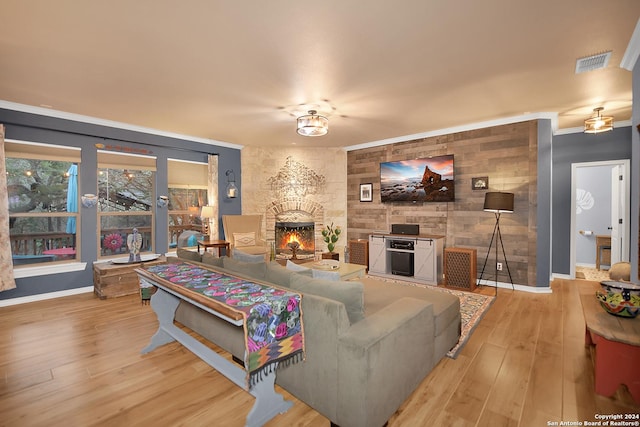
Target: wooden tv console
426, 251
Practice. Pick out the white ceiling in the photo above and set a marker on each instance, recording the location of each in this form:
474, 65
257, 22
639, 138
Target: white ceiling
236, 70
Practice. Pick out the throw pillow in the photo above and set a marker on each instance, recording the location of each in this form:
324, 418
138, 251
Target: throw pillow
244, 239
351, 294
256, 270
243, 256
299, 269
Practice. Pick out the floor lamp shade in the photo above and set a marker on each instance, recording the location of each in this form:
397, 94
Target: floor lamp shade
498, 202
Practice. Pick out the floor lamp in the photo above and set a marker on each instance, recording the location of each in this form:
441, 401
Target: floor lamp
498, 203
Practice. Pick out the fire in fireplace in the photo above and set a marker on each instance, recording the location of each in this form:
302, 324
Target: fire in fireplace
294, 240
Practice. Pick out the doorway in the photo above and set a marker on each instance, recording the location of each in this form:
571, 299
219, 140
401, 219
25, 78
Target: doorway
599, 207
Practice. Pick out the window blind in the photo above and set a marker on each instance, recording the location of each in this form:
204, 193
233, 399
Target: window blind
111, 160
38, 151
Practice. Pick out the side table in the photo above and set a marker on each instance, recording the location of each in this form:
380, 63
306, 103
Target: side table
615, 348
214, 244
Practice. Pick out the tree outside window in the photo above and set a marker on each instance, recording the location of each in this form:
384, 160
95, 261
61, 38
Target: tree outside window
125, 202
43, 214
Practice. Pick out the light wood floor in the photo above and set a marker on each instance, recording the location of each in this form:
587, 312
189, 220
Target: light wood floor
76, 361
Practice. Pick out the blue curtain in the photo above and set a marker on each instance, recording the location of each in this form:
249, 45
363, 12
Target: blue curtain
72, 197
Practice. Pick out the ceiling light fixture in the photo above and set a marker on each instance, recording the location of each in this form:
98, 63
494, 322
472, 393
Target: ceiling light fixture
598, 123
312, 124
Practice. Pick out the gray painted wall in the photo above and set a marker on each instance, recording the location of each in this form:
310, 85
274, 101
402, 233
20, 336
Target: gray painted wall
579, 148
35, 128
543, 244
635, 174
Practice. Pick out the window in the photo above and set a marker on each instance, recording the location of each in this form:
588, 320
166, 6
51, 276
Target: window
187, 194
125, 201
42, 187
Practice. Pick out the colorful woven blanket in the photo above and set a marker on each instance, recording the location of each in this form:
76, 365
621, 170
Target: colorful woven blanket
272, 317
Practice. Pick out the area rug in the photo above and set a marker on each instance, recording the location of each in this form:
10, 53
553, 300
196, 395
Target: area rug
473, 307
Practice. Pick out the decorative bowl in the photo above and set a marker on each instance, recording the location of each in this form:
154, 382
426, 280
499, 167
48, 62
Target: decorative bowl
327, 264
627, 289
614, 303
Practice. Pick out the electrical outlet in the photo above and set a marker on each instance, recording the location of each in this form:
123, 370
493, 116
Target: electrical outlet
499, 266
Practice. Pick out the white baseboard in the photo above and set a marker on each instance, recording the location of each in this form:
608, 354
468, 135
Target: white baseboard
516, 287
42, 297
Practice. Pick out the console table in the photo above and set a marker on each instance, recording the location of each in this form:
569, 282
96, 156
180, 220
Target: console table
165, 301
615, 345
423, 252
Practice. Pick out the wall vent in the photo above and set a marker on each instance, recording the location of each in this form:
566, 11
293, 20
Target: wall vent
593, 62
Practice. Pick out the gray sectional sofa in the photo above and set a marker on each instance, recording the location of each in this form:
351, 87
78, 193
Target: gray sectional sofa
367, 347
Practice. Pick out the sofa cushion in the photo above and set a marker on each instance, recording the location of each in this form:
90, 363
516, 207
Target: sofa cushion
210, 259
243, 256
256, 270
244, 239
325, 275
378, 294
351, 294
278, 275
188, 255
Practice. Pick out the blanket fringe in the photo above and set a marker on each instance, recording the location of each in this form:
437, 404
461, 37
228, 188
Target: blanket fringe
257, 376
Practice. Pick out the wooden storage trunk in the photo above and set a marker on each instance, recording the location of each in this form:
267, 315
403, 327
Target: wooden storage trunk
116, 280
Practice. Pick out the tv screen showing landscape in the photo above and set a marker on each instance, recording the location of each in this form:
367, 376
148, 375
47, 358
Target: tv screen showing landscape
419, 180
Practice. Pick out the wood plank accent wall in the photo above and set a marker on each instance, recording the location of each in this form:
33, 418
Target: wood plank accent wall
507, 154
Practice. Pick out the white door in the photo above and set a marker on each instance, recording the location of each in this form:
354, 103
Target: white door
620, 192
377, 254
619, 218
424, 251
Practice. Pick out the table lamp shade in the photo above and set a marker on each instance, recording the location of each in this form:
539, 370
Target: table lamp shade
207, 212
498, 202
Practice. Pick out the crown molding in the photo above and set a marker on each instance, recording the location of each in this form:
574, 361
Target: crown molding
463, 128
633, 50
110, 123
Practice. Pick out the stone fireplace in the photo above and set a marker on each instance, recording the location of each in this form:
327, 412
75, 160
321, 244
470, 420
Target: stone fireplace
295, 226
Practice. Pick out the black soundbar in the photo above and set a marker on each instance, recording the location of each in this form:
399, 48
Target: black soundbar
409, 229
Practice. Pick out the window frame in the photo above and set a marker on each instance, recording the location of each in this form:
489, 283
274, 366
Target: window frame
133, 162
29, 150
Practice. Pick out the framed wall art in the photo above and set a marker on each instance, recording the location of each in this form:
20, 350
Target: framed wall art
366, 192
480, 183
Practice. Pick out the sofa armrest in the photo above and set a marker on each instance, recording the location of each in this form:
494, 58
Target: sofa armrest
382, 359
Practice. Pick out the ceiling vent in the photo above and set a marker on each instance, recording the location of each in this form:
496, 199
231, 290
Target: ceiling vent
593, 62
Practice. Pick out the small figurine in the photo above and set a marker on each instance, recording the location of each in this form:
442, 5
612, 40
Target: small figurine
134, 243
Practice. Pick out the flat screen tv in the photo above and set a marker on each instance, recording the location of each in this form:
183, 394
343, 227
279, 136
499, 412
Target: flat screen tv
419, 180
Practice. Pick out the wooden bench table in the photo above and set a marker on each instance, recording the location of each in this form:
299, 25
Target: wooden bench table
615, 343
